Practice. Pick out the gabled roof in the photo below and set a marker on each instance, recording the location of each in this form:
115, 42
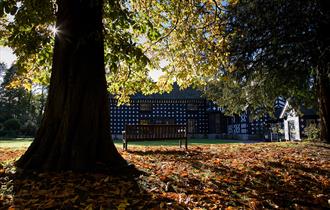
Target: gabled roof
176, 93
303, 110
284, 110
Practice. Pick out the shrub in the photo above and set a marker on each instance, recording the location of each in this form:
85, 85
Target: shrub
2, 133
10, 134
12, 124
29, 128
312, 132
2, 118
230, 136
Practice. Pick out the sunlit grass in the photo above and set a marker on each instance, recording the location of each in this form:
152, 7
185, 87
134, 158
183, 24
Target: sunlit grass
25, 142
176, 142
15, 143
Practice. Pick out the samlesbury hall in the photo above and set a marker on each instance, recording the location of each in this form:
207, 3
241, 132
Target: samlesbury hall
185, 107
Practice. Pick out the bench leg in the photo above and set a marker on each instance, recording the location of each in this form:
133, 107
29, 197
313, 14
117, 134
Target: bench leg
125, 145
180, 143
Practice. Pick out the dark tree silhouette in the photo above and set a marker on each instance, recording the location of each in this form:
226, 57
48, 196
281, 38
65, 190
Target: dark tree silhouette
74, 132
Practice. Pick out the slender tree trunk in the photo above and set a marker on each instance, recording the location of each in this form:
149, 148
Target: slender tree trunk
75, 132
42, 105
324, 102
323, 70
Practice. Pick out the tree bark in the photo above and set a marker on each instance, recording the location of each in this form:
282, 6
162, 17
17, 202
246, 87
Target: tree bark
75, 129
323, 70
42, 105
324, 102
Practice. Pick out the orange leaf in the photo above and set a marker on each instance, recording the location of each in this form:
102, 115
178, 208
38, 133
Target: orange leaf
207, 190
184, 174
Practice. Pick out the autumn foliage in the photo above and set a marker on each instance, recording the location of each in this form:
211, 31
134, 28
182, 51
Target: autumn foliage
231, 176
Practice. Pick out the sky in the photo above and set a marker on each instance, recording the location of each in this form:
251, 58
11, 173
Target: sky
7, 56
155, 74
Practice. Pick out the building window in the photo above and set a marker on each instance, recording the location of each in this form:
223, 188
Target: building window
144, 122
146, 107
192, 107
165, 121
310, 122
192, 125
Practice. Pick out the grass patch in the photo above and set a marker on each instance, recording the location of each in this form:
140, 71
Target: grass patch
15, 143
25, 142
176, 142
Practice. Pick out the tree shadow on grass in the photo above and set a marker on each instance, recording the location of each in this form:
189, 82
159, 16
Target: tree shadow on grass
290, 186
69, 190
300, 169
293, 185
269, 184
158, 152
169, 154
323, 145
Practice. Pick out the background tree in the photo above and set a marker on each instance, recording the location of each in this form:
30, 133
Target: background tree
19, 104
276, 48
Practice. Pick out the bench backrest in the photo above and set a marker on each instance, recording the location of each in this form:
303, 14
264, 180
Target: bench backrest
150, 132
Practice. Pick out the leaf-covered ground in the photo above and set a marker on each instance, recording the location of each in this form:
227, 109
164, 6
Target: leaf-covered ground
235, 176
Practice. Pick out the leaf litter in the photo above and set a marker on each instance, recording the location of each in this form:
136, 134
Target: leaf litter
231, 176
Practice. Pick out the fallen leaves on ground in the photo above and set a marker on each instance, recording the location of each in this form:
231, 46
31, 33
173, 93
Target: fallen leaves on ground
10, 153
231, 176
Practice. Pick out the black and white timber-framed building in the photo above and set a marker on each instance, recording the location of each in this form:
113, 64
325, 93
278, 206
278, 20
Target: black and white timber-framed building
185, 107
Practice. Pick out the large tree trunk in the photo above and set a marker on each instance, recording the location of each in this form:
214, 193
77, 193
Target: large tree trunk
75, 130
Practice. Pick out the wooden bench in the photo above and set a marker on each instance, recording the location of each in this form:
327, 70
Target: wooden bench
154, 132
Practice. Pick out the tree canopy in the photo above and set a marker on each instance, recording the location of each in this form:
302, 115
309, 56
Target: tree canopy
28, 27
273, 50
276, 48
139, 36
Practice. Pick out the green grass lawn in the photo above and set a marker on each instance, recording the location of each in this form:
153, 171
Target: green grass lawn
176, 142
15, 143
25, 142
